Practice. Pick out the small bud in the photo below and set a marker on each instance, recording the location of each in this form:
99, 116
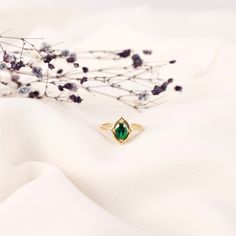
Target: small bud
18, 65
178, 88
68, 86
76, 65
76, 99
37, 71
84, 79
72, 58
137, 61
34, 94
125, 53
147, 52
47, 58
85, 69
23, 89
51, 66
59, 71
60, 87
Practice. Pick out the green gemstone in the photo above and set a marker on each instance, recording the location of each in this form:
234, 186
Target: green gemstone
121, 132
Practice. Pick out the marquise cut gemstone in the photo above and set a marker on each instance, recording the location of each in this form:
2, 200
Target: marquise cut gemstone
121, 132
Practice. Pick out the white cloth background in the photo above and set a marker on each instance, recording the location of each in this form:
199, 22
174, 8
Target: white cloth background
178, 178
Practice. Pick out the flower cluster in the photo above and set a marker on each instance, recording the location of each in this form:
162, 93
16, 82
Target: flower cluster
43, 71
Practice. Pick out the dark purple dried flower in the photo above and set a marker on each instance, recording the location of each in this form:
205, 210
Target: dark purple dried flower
76, 99
37, 71
72, 58
161, 88
34, 94
59, 71
137, 61
51, 66
147, 52
84, 79
157, 90
76, 65
164, 86
68, 86
60, 87
178, 88
66, 82
17, 66
48, 58
125, 53
85, 69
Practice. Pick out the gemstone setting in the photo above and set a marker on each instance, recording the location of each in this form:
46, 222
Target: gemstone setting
121, 130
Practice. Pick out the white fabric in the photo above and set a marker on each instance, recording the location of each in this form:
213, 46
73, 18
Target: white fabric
177, 178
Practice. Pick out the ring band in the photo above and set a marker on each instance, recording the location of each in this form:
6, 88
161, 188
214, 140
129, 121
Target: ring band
121, 129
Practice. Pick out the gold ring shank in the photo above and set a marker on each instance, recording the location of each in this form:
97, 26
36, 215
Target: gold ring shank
108, 126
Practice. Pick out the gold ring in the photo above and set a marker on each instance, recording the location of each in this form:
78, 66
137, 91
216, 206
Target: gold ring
121, 129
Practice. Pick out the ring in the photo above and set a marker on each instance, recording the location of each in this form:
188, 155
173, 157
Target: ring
121, 129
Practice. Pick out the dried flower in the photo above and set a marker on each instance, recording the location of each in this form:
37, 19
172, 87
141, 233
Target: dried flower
18, 65
178, 88
125, 53
70, 86
161, 88
60, 87
51, 66
137, 85
76, 99
157, 90
137, 61
72, 58
147, 52
59, 71
48, 58
85, 69
37, 71
76, 65
34, 94
84, 79
23, 89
